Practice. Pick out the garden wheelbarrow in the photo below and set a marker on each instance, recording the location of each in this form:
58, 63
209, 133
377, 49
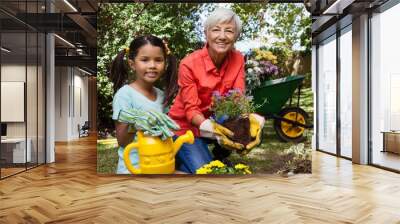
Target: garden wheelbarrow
271, 99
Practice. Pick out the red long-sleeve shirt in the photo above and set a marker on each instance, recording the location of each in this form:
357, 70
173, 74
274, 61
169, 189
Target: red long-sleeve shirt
198, 78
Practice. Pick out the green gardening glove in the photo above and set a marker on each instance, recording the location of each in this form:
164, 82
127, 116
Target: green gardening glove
152, 123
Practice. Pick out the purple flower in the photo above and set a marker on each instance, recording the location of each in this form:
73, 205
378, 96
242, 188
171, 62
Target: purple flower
232, 92
268, 69
238, 90
216, 95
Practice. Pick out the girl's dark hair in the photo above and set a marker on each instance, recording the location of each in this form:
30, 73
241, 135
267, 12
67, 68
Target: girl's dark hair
120, 68
170, 80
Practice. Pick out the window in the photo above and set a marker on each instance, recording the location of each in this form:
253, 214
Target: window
22, 65
385, 84
327, 95
346, 92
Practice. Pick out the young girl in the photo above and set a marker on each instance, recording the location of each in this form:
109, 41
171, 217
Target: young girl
147, 57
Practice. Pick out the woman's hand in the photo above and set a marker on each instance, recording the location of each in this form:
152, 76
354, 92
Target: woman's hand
256, 126
210, 129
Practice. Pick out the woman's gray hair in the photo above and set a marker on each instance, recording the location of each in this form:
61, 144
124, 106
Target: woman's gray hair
221, 15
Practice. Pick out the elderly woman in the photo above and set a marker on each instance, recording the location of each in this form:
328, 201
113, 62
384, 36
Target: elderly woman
215, 67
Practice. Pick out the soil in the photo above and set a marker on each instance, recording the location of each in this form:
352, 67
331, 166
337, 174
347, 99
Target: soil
241, 128
278, 162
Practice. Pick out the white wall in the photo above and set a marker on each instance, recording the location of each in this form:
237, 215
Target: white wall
17, 72
81, 112
34, 124
14, 72
61, 103
71, 94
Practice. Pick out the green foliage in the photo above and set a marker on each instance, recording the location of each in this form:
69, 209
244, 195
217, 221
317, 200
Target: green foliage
291, 24
252, 16
104, 102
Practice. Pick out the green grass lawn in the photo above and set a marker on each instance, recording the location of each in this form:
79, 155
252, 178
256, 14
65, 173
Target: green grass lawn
266, 158
107, 158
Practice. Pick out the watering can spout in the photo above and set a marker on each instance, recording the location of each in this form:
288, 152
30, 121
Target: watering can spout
186, 138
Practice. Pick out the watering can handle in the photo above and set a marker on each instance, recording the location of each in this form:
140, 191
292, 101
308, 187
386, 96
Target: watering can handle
127, 160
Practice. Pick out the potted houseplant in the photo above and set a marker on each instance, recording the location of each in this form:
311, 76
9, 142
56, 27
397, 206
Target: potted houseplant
231, 110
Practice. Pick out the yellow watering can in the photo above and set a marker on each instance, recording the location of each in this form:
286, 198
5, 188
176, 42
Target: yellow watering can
155, 155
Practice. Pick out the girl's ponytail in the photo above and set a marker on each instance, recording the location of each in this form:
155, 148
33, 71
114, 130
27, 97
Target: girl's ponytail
119, 71
171, 80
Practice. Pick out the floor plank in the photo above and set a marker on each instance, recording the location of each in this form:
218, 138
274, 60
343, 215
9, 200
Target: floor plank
70, 191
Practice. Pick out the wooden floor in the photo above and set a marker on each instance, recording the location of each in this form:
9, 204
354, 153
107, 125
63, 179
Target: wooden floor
10, 171
70, 191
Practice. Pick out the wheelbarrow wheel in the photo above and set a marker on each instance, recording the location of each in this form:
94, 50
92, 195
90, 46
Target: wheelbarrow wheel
290, 132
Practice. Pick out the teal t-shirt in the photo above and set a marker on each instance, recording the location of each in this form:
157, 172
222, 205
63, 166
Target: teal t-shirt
128, 97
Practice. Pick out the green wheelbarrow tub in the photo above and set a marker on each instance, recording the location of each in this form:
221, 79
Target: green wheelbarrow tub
272, 95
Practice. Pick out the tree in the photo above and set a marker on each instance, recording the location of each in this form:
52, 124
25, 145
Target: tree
291, 24
119, 24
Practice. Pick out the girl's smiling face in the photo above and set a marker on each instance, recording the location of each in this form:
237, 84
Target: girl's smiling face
149, 63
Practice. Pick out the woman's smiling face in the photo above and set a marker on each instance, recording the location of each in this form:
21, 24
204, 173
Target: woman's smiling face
221, 37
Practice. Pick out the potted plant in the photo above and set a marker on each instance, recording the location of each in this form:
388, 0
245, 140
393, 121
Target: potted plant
231, 110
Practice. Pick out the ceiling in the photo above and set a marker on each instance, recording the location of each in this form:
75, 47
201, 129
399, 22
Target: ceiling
330, 15
74, 22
